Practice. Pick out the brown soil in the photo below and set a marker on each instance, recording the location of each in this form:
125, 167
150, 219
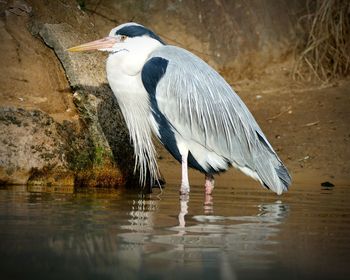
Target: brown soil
31, 77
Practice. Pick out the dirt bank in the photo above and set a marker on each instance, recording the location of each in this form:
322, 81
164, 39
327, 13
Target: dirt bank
308, 124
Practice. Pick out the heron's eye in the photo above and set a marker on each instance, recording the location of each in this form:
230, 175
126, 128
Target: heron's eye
123, 38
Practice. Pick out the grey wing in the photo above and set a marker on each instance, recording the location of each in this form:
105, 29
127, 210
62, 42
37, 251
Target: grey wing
202, 107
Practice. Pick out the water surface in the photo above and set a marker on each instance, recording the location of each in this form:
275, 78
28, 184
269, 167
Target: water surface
241, 232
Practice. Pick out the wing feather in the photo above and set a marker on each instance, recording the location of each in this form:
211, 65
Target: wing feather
202, 107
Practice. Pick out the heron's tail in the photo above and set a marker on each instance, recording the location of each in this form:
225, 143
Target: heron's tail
273, 175
269, 169
284, 176
266, 167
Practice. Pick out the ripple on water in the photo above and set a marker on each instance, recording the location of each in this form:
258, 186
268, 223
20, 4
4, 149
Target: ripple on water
242, 231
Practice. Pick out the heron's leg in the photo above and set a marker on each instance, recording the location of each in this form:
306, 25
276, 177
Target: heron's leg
185, 185
209, 183
183, 209
208, 204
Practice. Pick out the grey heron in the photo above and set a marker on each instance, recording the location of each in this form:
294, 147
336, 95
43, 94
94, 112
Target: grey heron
170, 92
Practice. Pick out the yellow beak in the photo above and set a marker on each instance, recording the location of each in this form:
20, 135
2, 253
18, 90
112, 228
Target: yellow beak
105, 43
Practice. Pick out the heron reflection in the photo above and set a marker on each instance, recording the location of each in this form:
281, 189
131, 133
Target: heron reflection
199, 233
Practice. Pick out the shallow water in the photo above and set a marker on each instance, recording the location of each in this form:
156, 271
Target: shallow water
241, 232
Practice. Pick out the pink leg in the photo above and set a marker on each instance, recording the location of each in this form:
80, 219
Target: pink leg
209, 183
185, 185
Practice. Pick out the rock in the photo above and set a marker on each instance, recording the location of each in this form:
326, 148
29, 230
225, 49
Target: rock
32, 142
31, 77
36, 150
113, 153
20, 8
95, 102
327, 184
82, 69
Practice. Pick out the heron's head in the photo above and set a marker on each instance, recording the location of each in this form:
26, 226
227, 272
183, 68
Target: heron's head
126, 37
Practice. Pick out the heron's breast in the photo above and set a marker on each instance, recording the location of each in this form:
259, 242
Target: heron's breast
127, 89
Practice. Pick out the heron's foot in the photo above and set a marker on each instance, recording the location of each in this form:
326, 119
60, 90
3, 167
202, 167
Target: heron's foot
209, 184
184, 189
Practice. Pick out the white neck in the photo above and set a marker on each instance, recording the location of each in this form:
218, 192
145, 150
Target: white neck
124, 76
